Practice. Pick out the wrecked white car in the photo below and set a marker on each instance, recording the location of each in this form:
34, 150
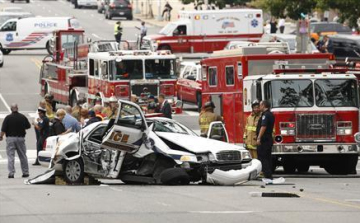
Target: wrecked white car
147, 151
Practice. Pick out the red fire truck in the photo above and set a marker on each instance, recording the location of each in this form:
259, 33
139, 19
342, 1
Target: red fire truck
315, 106
126, 73
72, 73
64, 73
207, 31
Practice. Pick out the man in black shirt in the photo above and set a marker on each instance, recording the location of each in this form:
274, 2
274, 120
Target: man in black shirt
43, 127
264, 140
14, 127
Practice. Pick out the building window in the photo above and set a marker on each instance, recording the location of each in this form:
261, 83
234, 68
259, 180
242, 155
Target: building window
212, 76
229, 75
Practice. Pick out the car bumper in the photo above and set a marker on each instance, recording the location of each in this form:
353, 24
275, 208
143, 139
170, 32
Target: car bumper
315, 148
120, 13
232, 177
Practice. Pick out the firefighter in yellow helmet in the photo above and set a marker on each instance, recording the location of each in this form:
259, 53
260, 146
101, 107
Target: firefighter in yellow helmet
250, 129
207, 116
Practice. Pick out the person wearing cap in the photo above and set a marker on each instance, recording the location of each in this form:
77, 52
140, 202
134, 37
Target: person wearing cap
14, 128
43, 127
250, 129
118, 31
49, 106
92, 118
207, 116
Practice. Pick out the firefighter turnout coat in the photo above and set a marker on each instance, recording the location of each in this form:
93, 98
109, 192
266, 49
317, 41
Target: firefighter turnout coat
250, 130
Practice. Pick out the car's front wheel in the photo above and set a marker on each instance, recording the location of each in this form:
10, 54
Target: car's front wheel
74, 171
175, 176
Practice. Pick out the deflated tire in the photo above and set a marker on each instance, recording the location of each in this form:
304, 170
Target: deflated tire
175, 176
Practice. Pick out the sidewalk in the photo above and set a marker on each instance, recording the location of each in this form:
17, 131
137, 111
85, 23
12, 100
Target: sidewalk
144, 12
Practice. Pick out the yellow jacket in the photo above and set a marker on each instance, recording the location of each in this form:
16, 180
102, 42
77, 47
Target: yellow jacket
117, 29
205, 118
250, 130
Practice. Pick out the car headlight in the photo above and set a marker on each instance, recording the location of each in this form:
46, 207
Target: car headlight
245, 155
188, 158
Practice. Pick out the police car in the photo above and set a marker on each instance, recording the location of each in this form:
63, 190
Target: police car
146, 151
32, 33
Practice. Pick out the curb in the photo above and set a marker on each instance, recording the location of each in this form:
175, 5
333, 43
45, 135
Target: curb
153, 23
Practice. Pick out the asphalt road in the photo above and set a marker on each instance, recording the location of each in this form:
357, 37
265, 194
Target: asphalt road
323, 198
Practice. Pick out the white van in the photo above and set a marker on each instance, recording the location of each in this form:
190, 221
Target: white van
32, 33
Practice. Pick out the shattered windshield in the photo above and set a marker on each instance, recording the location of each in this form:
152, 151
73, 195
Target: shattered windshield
160, 69
336, 93
163, 126
290, 93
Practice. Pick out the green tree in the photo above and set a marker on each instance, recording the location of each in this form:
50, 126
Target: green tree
348, 10
286, 8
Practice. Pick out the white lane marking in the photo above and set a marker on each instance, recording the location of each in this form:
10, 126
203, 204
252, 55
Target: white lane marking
353, 200
116, 189
163, 204
96, 36
6, 105
221, 212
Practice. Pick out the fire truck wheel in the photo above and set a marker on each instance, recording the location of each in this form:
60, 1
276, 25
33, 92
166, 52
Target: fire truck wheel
27, 1
303, 168
2, 64
346, 165
289, 166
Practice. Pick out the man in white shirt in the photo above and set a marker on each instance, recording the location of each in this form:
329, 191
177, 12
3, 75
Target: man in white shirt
282, 25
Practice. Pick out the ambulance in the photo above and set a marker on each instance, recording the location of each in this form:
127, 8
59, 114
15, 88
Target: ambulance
32, 33
207, 31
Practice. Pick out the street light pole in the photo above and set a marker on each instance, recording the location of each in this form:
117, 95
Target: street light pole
159, 17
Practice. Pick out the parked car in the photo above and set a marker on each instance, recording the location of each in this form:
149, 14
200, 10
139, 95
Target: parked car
118, 8
189, 83
1, 59
327, 28
287, 38
100, 6
147, 151
85, 3
346, 46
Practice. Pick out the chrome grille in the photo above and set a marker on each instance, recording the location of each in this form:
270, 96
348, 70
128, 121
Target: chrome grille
228, 156
137, 89
311, 127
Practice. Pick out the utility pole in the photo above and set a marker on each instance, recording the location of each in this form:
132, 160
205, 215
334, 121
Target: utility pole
159, 17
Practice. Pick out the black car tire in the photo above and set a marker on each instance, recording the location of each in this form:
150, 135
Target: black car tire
27, 1
2, 64
129, 17
175, 176
74, 171
289, 166
303, 168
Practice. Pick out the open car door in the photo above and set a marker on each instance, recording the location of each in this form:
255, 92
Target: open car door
217, 131
129, 130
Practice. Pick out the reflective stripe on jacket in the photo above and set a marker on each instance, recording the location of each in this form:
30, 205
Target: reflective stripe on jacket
205, 119
250, 131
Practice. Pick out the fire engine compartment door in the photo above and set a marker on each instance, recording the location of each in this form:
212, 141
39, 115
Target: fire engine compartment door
252, 91
217, 100
129, 130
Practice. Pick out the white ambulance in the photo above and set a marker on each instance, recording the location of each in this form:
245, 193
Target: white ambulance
32, 33
207, 31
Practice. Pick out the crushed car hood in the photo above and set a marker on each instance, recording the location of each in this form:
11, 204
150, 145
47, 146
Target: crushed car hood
197, 144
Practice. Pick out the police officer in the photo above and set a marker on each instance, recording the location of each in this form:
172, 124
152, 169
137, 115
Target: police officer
264, 138
207, 116
250, 129
118, 31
